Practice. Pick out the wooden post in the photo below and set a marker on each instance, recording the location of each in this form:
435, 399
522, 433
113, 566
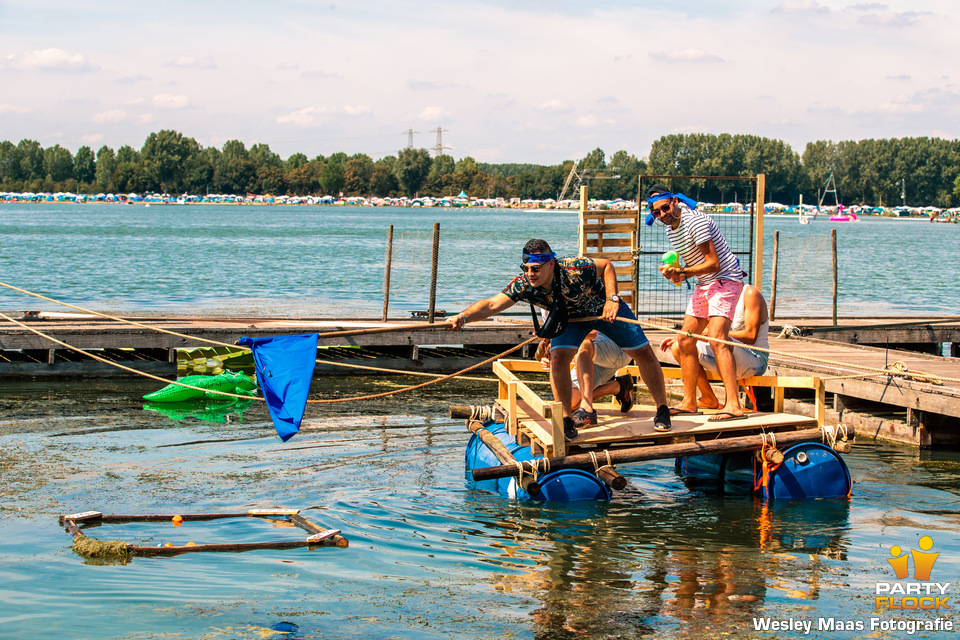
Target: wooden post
584, 200
512, 408
821, 402
433, 272
758, 238
556, 421
773, 276
386, 273
833, 243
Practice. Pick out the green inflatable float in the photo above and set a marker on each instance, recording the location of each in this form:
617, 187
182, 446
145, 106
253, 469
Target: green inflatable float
228, 381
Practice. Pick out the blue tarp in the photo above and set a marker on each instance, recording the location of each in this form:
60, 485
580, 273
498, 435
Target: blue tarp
284, 370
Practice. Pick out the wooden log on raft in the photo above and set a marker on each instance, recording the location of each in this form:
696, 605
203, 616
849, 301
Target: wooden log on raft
611, 478
527, 482
658, 452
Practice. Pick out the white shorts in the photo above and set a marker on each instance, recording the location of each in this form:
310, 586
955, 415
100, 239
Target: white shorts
608, 358
748, 362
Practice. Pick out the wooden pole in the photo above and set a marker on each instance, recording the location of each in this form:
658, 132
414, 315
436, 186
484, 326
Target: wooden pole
311, 527
361, 332
433, 272
386, 273
833, 244
758, 238
658, 452
773, 276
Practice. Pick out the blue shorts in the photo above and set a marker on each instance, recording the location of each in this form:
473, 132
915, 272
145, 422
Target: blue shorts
626, 335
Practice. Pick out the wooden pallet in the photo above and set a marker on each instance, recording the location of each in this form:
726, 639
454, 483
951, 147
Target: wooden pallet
538, 423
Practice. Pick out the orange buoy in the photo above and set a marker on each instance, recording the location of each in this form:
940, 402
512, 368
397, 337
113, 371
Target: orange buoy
169, 544
191, 544
177, 521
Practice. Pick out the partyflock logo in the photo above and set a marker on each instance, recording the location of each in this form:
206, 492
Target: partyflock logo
919, 593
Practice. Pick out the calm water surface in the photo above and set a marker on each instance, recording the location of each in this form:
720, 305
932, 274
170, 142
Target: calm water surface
329, 261
429, 558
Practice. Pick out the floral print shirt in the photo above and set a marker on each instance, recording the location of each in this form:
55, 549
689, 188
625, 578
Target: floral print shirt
582, 288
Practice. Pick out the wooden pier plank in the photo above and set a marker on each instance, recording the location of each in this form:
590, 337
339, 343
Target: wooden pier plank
615, 427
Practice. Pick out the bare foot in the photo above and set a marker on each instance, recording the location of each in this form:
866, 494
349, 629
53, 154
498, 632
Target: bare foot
708, 405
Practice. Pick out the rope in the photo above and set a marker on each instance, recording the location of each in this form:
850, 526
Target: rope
235, 395
917, 375
120, 366
429, 382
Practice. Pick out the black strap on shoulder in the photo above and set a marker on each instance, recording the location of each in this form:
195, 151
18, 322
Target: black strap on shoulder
556, 321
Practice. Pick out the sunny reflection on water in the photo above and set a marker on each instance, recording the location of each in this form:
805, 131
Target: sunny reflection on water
428, 558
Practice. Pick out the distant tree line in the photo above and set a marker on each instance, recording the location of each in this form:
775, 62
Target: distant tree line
873, 172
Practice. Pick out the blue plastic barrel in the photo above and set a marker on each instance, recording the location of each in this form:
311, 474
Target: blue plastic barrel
564, 485
808, 470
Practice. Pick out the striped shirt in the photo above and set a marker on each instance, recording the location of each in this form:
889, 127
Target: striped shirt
696, 228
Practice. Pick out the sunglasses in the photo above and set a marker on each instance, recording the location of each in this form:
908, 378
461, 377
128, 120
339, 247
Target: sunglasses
659, 210
533, 268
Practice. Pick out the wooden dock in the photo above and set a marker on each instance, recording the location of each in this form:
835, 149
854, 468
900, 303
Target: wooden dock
891, 407
403, 344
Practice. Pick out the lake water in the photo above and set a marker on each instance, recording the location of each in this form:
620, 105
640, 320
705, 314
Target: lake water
329, 261
429, 558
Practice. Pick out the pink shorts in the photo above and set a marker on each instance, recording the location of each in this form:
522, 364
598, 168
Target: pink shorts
719, 298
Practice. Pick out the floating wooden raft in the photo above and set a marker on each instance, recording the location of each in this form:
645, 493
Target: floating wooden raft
319, 537
622, 438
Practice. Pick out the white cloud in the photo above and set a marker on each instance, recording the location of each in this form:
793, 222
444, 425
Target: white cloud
167, 101
685, 55
92, 138
146, 118
113, 115
132, 102
49, 60
356, 110
801, 6
590, 120
555, 104
434, 113
12, 108
306, 117
191, 62
313, 75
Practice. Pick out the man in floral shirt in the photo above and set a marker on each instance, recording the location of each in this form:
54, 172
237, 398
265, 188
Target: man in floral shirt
589, 289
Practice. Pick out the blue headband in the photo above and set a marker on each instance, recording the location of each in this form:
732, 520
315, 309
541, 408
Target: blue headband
690, 202
538, 257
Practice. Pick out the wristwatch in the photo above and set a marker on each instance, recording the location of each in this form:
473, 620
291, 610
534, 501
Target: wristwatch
613, 298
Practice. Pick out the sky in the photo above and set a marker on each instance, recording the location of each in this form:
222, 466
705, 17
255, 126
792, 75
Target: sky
531, 81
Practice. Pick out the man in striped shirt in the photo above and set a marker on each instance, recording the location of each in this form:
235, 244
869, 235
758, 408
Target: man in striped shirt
706, 255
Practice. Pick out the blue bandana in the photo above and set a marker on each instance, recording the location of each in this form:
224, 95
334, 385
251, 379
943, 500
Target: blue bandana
690, 202
538, 257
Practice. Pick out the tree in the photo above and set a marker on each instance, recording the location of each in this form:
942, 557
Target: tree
84, 165
106, 164
128, 176
412, 168
31, 160
332, 178
166, 156
58, 163
10, 167
357, 173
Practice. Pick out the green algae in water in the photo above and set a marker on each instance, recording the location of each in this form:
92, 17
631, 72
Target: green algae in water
102, 549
